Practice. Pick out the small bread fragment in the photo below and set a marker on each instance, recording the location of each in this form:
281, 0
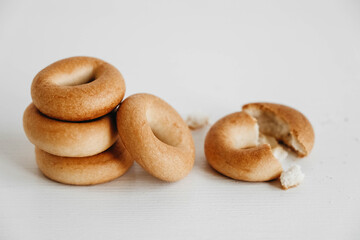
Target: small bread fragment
285, 124
197, 121
291, 177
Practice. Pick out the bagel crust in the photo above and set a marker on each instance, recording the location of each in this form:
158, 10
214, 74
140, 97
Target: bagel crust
69, 139
77, 89
286, 124
231, 149
156, 137
96, 169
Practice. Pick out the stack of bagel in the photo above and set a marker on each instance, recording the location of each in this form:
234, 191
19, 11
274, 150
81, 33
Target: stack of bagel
72, 122
84, 134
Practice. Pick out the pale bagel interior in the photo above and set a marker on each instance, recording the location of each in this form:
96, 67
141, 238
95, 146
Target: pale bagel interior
249, 136
277, 150
271, 125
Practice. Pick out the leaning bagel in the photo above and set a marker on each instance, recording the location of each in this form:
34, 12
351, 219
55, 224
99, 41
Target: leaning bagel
77, 89
284, 123
69, 139
156, 137
100, 168
231, 148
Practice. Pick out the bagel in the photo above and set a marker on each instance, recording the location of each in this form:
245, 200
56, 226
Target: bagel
197, 121
231, 148
244, 145
285, 124
96, 169
77, 89
69, 139
156, 137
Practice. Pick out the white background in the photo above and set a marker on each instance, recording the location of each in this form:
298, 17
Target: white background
200, 56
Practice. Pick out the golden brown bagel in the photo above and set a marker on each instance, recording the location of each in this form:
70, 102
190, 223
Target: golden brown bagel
231, 148
285, 124
77, 89
156, 136
69, 139
100, 168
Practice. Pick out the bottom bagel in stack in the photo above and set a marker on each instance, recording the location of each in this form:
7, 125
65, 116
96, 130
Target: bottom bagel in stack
77, 153
100, 168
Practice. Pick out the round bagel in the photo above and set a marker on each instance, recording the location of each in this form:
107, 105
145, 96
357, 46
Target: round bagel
77, 89
156, 137
231, 148
96, 169
69, 139
284, 123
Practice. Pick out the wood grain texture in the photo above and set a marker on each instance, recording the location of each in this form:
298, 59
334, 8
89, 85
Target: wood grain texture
203, 56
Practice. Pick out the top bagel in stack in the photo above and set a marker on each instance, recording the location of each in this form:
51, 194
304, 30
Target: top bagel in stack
77, 89
72, 112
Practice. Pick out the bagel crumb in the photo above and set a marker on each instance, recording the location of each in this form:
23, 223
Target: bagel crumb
197, 121
291, 177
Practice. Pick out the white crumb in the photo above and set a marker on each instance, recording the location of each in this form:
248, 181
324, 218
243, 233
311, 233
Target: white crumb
196, 121
291, 177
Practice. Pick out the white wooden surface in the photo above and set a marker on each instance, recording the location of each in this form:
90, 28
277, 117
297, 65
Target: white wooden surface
202, 56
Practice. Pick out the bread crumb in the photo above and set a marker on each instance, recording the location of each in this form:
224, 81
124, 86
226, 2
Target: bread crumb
196, 121
291, 177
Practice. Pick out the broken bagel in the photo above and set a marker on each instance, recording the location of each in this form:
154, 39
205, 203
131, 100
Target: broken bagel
285, 124
247, 145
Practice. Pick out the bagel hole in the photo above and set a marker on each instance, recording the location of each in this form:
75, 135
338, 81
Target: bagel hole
277, 148
243, 137
163, 129
77, 77
247, 133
